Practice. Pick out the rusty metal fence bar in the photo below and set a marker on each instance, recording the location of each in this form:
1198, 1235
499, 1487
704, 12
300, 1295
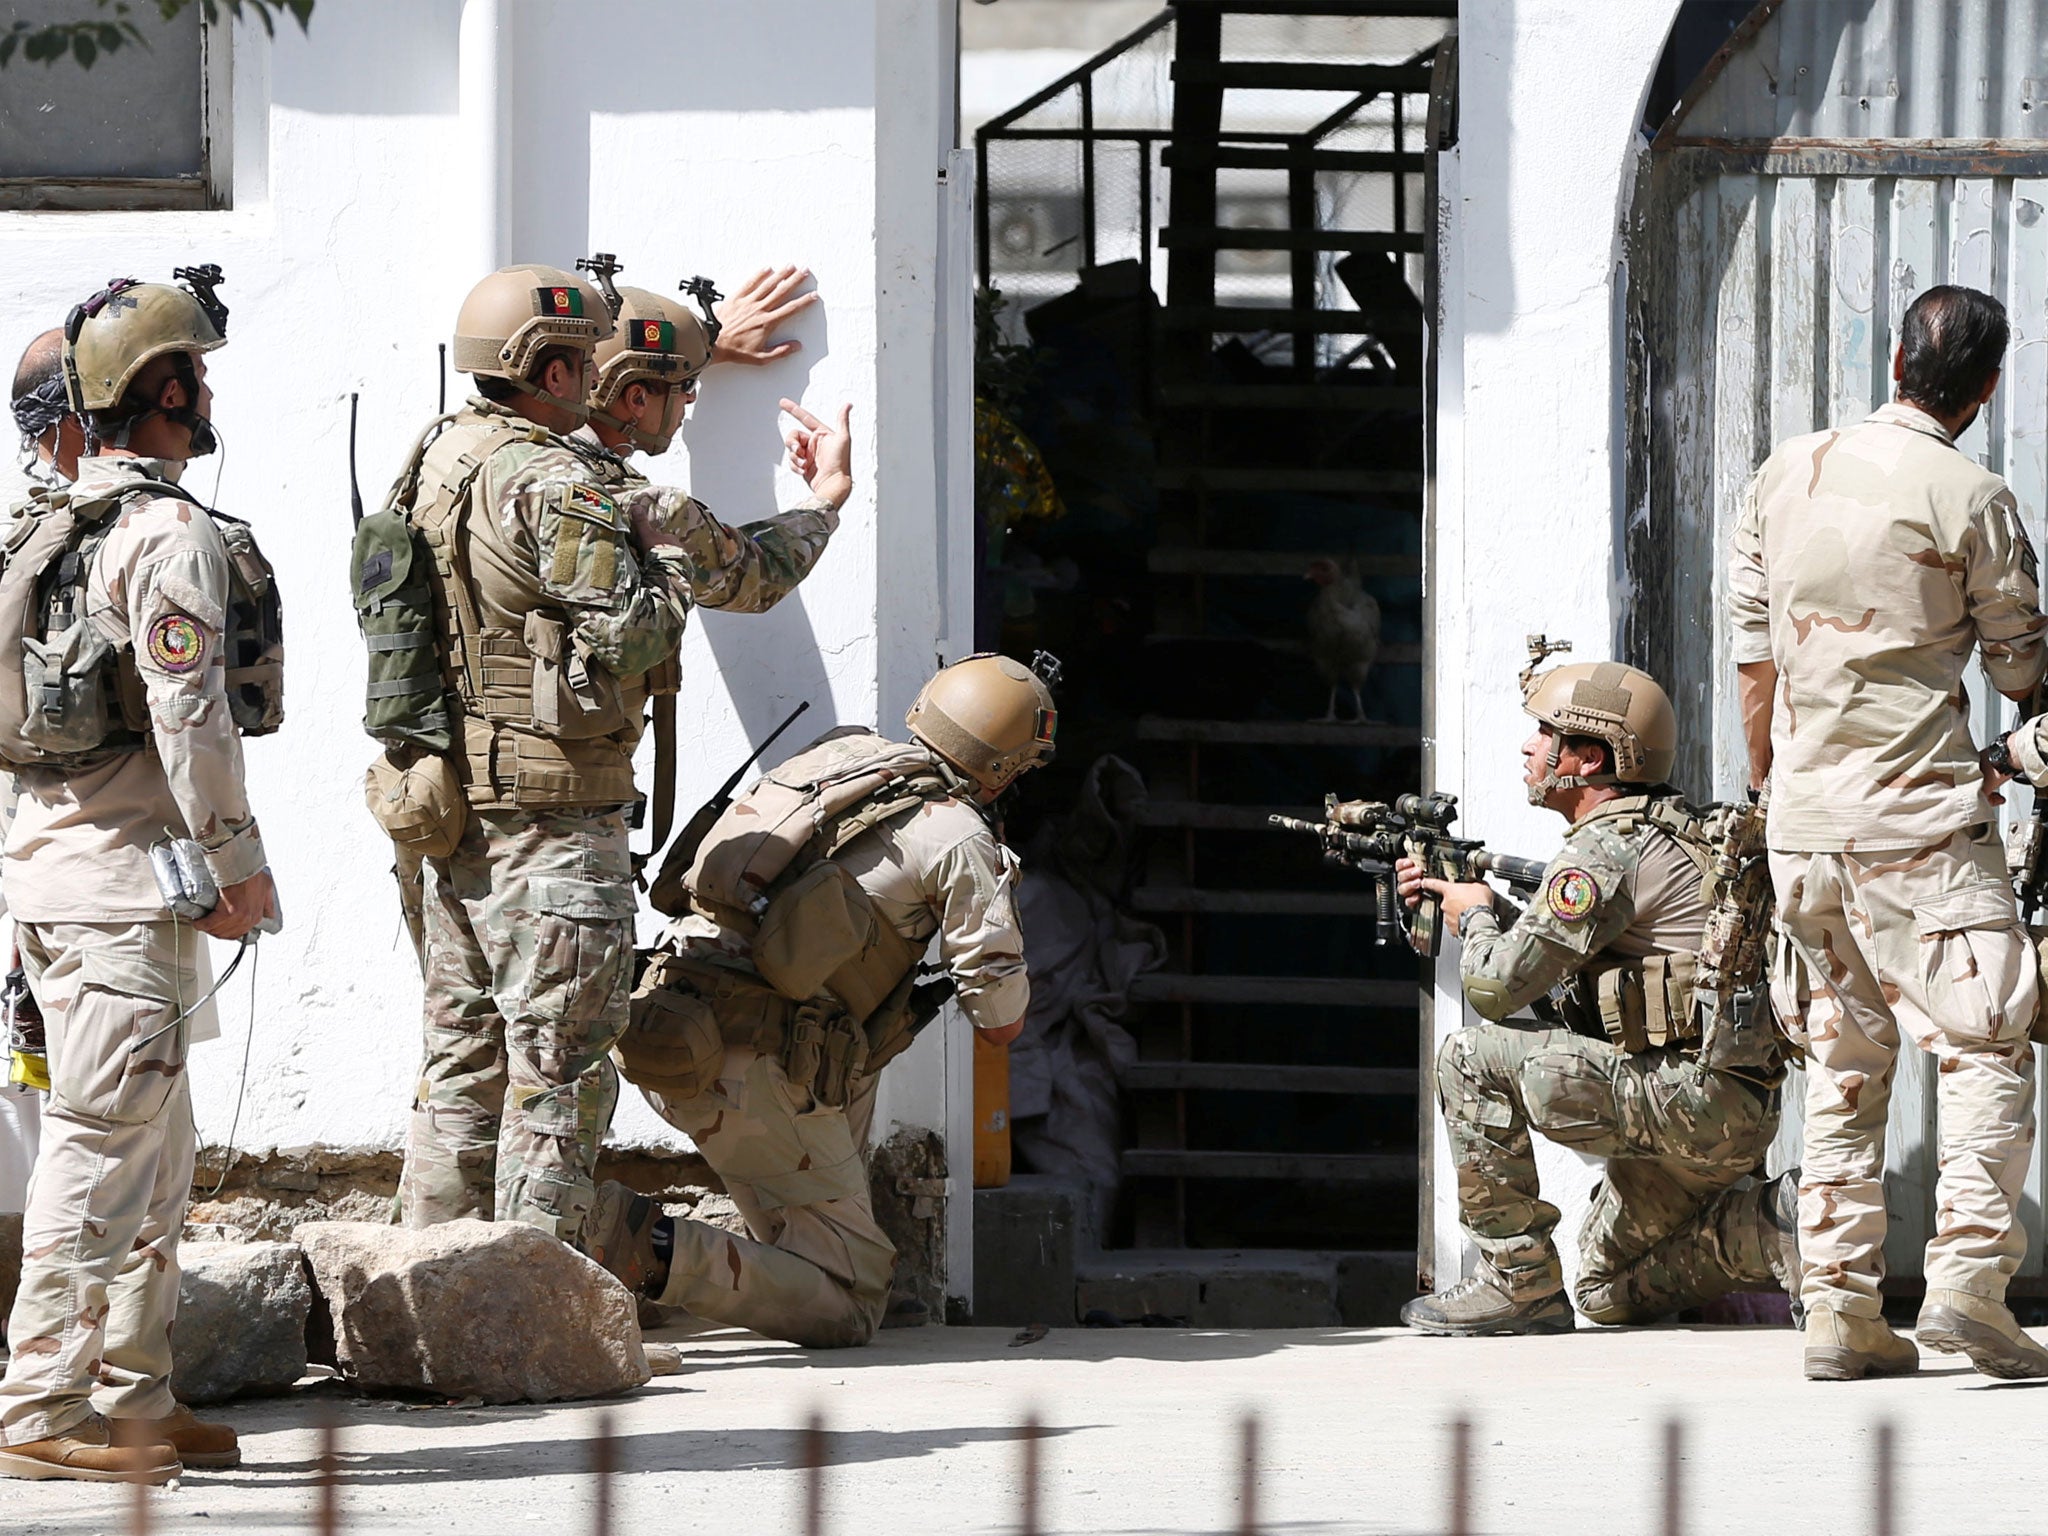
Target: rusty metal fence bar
812, 1458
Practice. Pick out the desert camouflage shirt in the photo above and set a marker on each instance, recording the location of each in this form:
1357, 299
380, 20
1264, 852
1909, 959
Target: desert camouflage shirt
1868, 564
1620, 888
77, 849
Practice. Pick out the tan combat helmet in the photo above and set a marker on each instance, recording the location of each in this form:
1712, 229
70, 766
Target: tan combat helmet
990, 717
1620, 705
113, 335
658, 341
517, 313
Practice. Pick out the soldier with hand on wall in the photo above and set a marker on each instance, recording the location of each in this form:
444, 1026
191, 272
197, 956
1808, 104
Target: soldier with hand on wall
1618, 1067
1869, 563
765, 1019
181, 609
559, 596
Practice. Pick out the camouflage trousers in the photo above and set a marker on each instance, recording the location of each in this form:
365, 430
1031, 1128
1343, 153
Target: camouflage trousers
815, 1267
1668, 1228
1927, 944
529, 937
106, 1202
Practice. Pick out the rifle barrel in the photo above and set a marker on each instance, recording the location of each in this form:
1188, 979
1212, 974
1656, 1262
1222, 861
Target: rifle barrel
1527, 873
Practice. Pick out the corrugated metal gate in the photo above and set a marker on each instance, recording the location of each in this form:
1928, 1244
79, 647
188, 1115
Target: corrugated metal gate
1776, 247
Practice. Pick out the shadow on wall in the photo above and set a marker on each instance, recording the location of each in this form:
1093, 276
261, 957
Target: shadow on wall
694, 56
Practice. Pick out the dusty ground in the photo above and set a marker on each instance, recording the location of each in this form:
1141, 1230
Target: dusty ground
1142, 1436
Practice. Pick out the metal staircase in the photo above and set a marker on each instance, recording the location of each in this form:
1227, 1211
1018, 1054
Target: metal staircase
1272, 1106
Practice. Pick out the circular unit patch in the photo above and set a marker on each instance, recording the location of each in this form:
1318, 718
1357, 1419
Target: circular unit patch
1572, 895
176, 643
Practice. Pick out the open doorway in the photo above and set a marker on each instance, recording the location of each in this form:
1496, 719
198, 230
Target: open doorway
1201, 473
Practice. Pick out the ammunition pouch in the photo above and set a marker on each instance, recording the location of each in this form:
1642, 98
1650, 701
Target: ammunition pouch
417, 800
686, 1012
673, 1044
1640, 1005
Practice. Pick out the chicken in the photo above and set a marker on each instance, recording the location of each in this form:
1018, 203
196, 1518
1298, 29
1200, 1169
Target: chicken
1343, 631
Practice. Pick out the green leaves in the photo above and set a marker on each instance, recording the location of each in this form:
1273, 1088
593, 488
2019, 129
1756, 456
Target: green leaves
84, 41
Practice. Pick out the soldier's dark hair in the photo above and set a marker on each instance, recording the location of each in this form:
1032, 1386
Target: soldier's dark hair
504, 391
1954, 340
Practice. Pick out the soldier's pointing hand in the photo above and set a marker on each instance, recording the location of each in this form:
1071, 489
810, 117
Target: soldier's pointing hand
822, 455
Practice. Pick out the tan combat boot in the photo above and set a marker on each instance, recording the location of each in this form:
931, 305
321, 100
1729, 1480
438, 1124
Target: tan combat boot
619, 1235
88, 1453
1841, 1346
198, 1442
1484, 1306
1960, 1323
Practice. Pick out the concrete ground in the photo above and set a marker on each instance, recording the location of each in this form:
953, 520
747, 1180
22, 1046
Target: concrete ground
1142, 1435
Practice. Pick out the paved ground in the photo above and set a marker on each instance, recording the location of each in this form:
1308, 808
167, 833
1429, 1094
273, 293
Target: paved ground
1142, 1436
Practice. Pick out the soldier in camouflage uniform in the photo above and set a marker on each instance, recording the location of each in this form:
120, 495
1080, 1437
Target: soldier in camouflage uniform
1869, 562
1606, 952
561, 595
87, 1394
775, 1082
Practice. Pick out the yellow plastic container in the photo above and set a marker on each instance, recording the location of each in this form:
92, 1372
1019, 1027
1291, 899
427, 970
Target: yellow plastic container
991, 1114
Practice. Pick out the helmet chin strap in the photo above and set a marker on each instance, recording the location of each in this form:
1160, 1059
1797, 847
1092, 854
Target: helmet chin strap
1553, 780
580, 409
645, 441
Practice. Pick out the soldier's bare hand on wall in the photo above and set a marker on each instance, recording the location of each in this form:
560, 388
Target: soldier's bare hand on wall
822, 455
1455, 899
749, 319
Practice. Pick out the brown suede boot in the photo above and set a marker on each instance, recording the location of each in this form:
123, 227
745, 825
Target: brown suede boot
89, 1453
1841, 1346
1960, 1323
198, 1442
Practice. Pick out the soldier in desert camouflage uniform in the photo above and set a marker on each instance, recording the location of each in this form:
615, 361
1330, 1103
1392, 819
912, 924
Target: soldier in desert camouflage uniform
775, 1083
167, 589
1606, 952
1868, 563
562, 594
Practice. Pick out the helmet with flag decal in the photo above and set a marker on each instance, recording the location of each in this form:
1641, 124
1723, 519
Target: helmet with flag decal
657, 342
513, 317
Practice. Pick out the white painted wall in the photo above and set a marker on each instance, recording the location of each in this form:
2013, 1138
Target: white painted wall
1529, 443
375, 179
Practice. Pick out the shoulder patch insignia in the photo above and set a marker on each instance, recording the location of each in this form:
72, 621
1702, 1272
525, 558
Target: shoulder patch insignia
589, 499
1572, 894
176, 643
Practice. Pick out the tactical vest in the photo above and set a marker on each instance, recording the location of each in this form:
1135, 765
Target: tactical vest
537, 725
767, 869
1651, 1001
69, 698
1647, 1001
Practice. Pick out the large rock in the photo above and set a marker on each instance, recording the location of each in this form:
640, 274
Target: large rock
496, 1311
241, 1329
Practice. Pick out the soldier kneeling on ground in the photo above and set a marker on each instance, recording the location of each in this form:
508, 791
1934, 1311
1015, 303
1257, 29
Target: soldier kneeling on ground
761, 1025
1614, 1065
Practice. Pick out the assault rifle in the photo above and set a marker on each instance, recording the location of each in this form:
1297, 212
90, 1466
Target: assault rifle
1369, 835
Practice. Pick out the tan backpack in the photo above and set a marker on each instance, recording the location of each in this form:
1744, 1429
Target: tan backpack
766, 868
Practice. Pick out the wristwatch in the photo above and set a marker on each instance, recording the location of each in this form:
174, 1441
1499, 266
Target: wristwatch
1998, 756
